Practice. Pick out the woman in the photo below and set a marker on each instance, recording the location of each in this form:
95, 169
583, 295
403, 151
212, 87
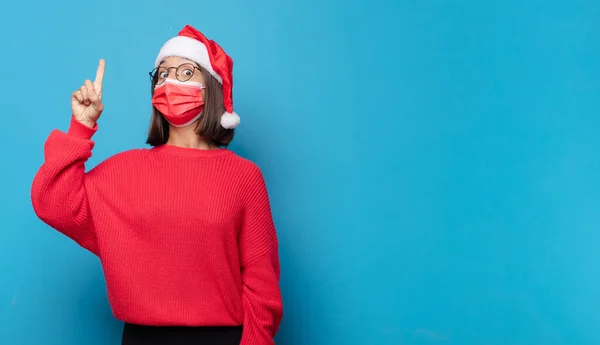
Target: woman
183, 229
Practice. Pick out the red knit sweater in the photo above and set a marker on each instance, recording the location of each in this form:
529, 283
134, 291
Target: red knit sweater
185, 236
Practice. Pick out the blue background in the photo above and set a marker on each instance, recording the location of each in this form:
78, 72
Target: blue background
433, 165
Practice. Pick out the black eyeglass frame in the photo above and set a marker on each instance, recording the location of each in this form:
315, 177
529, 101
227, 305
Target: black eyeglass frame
154, 77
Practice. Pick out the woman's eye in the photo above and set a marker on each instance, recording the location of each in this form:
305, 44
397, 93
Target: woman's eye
164, 74
188, 72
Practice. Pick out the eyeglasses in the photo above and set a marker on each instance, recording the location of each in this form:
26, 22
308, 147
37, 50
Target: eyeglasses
183, 73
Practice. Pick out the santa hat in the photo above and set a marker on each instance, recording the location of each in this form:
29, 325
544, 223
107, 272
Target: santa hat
191, 44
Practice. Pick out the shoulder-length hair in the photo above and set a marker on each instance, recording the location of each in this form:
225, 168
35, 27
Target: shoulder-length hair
208, 125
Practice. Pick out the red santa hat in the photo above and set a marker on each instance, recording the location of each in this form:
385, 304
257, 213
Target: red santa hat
191, 44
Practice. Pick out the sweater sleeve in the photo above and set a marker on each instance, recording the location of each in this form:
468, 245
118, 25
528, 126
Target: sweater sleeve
58, 192
261, 295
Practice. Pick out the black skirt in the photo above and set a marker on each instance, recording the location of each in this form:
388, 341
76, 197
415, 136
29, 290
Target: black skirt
179, 335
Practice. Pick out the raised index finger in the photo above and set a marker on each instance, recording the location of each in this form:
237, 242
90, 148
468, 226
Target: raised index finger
100, 72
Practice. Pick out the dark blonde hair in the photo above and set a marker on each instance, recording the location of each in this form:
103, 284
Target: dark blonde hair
209, 124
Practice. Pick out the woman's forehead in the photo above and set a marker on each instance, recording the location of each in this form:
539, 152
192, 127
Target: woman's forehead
174, 61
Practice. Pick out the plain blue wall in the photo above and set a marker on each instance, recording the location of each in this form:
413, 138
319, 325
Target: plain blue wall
433, 165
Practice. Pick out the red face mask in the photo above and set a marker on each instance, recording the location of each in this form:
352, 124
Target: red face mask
180, 102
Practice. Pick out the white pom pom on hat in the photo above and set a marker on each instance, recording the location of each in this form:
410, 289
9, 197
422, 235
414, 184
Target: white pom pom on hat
230, 120
191, 44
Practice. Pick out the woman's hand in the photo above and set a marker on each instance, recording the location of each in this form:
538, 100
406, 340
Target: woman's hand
86, 103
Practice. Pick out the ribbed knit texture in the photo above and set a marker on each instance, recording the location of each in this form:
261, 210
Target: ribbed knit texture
185, 236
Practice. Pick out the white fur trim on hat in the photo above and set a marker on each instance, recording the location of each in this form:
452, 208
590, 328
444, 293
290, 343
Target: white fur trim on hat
230, 120
187, 48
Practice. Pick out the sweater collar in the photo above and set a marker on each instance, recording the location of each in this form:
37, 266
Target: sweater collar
190, 152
